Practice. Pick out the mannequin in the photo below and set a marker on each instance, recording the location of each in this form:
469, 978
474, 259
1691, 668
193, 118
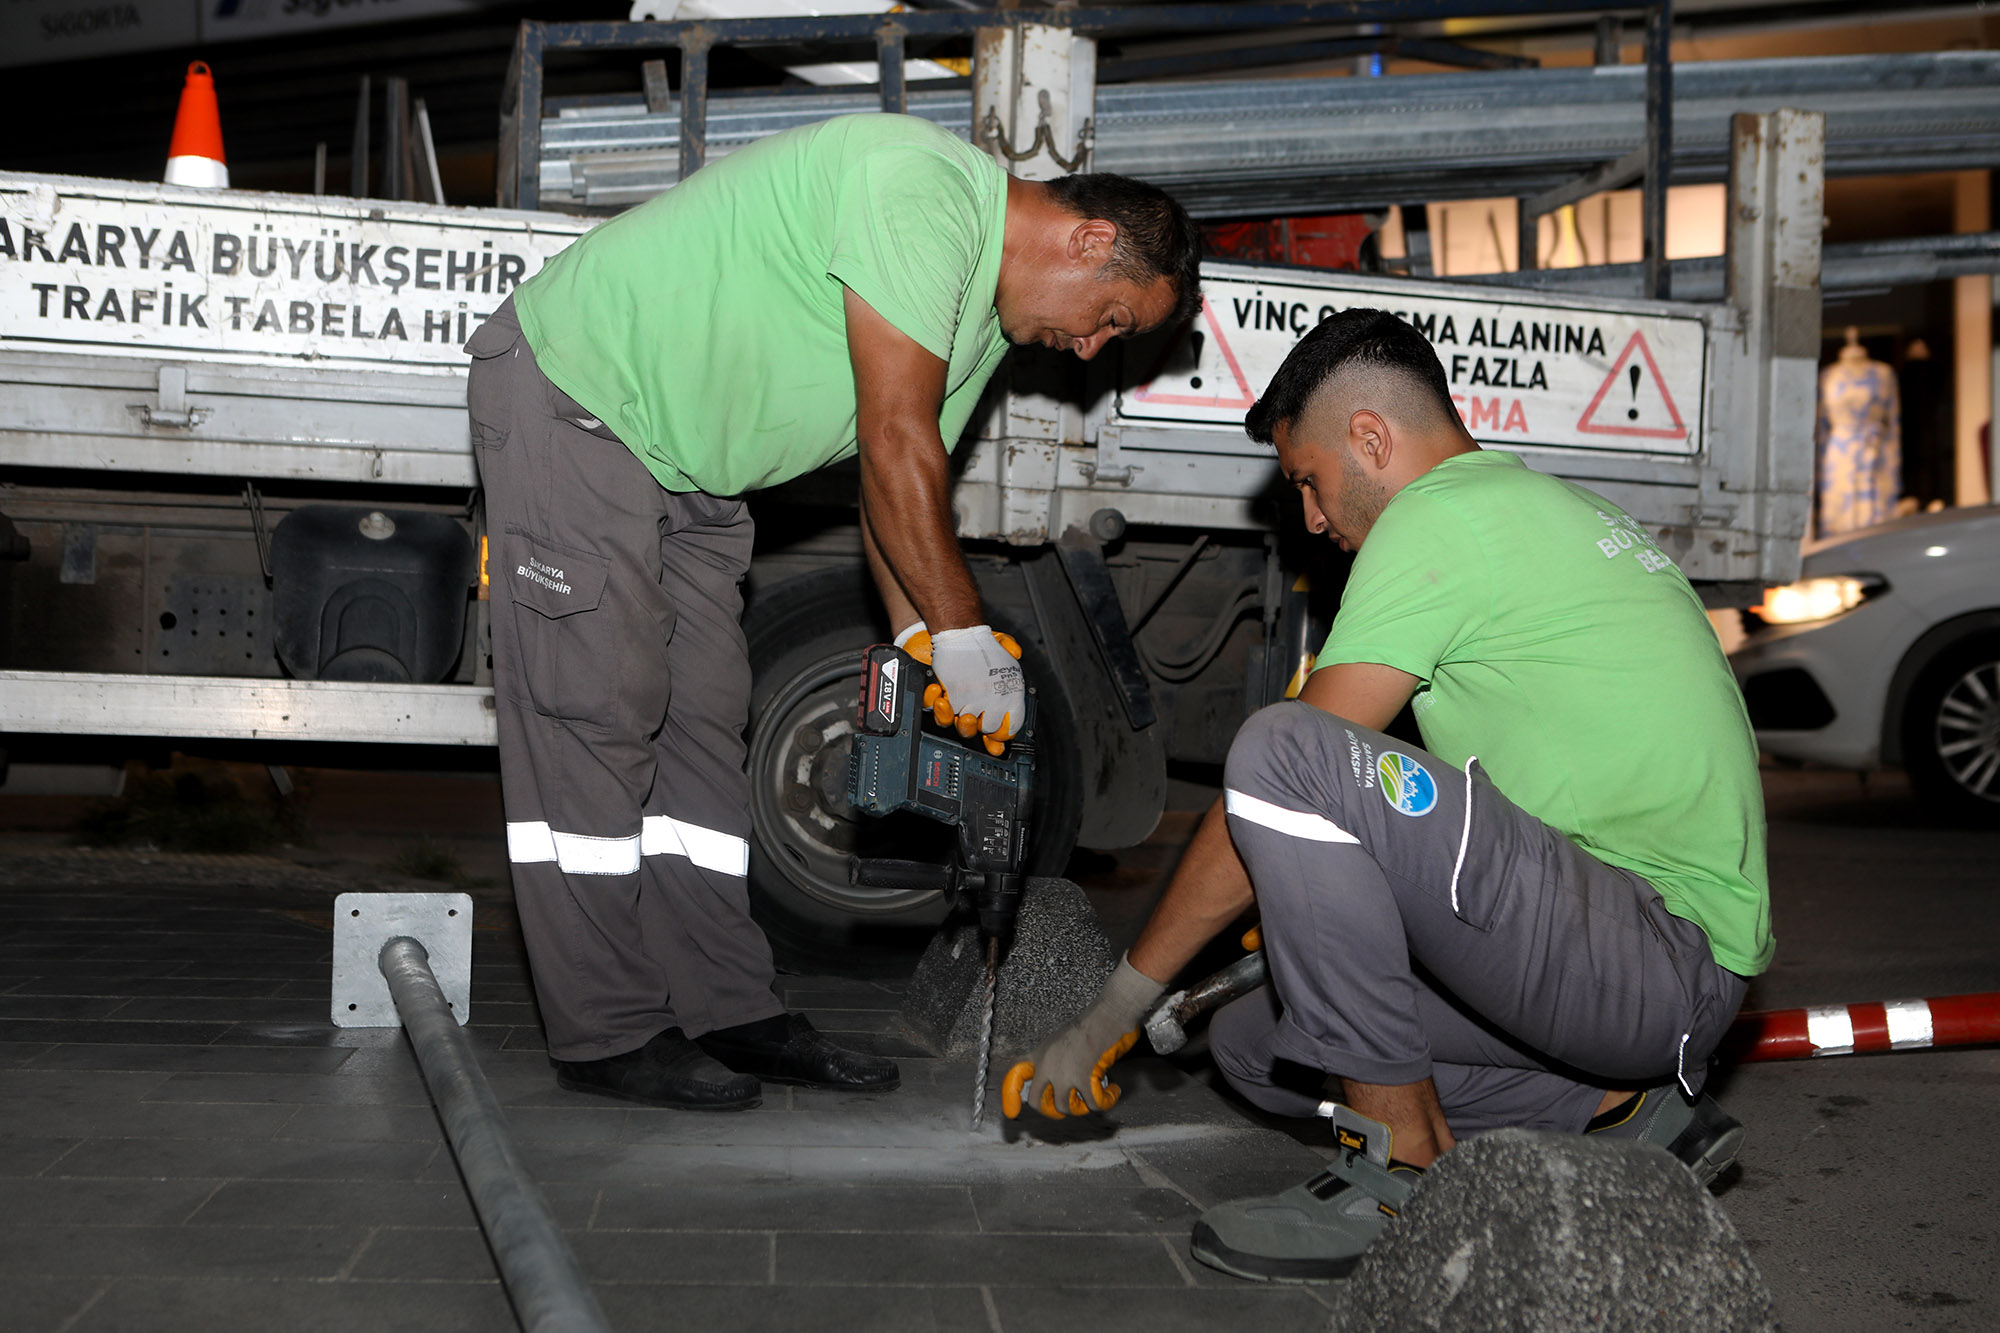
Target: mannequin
1860, 440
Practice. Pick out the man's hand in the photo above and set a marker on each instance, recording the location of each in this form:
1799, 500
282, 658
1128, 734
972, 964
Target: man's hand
982, 680
1066, 1076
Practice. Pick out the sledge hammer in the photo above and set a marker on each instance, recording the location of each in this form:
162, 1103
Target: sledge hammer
1166, 1026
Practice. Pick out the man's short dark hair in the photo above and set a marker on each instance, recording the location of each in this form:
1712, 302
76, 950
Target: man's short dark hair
1156, 238
1360, 338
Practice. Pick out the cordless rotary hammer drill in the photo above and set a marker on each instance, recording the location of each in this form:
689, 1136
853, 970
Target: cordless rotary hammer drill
896, 765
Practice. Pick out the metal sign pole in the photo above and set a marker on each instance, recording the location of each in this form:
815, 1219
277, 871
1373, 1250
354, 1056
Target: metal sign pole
543, 1279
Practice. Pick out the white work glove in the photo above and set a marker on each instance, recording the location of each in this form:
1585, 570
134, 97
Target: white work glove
980, 675
1068, 1070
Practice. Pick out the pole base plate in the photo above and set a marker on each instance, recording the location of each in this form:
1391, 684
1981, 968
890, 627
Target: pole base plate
364, 922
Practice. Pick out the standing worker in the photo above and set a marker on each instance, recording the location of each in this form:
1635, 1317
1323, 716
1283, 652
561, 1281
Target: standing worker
1543, 918
840, 288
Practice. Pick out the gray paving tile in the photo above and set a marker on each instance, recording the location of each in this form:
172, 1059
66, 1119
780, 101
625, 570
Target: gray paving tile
30, 1154
19, 1005
637, 1309
649, 1164
317, 1030
421, 1254
200, 1305
64, 1088
967, 1165
1197, 1310
957, 1260
340, 1089
14, 1053
50, 1201
185, 1059
47, 1304
1240, 1166
599, 1122
790, 1206
342, 1203
104, 1251
1045, 1205
276, 1159
64, 963
364, 1124
227, 1009
684, 1256
100, 1032
884, 1123
499, 1013
858, 1020
148, 1120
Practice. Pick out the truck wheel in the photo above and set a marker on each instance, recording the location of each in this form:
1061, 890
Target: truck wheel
1951, 731
806, 639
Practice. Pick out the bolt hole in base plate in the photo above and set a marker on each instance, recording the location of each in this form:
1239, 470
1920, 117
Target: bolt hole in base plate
364, 922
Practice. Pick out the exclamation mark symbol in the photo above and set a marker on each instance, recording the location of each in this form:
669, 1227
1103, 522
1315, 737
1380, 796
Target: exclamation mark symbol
1632, 412
1195, 340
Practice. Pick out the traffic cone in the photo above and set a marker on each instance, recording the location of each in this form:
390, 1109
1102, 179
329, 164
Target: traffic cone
195, 155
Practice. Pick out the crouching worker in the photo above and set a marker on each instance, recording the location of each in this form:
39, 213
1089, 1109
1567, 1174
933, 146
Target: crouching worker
1542, 918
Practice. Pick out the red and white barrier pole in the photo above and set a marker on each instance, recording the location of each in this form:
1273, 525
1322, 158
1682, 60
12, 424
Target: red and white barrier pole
1847, 1029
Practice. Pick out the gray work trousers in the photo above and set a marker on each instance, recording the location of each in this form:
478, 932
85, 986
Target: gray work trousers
1418, 923
623, 686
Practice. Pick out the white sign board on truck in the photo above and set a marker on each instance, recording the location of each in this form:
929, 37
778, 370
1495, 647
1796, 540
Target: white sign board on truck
1521, 374
236, 275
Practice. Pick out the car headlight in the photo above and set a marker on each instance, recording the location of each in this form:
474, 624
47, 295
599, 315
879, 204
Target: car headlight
1818, 599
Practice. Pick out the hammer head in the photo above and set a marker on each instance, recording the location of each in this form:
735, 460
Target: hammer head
1163, 1025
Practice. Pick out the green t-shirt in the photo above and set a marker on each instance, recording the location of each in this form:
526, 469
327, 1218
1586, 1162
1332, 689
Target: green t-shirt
1558, 644
707, 328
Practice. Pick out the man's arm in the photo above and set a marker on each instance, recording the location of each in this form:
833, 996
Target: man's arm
905, 474
1210, 888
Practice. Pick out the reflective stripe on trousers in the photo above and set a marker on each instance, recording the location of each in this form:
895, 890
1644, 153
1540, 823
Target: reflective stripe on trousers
659, 835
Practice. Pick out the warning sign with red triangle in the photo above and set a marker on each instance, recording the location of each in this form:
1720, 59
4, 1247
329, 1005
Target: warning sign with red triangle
1216, 380
1633, 400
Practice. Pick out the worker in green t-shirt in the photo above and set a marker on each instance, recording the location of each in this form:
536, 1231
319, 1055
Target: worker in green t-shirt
838, 289
1543, 917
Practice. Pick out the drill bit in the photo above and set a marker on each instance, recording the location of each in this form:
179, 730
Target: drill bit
986, 1032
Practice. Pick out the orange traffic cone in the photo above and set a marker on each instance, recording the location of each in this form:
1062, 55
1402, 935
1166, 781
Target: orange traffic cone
195, 155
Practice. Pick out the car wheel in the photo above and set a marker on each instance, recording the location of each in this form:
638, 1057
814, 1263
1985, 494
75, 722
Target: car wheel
806, 639
1951, 731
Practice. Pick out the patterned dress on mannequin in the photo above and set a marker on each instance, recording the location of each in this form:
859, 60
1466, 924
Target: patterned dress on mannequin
1860, 444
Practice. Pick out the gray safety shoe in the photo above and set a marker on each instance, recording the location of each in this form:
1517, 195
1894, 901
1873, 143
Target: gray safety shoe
1314, 1232
1697, 1131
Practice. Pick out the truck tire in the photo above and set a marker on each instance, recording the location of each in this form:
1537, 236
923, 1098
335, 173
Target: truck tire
1951, 731
806, 639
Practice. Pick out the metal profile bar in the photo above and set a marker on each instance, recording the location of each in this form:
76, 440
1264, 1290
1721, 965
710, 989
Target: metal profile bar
1255, 57
543, 1278
1611, 176
1439, 52
889, 59
694, 100
1659, 147
521, 121
1853, 267
1137, 18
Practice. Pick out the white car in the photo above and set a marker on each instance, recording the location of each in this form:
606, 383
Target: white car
1887, 651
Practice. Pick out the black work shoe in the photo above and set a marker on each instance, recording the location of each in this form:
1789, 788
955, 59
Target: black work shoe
786, 1049
669, 1070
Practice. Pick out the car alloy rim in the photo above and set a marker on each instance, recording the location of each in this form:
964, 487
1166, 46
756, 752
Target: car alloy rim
798, 770
1968, 731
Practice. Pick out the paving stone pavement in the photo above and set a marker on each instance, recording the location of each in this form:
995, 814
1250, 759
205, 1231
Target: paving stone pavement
186, 1142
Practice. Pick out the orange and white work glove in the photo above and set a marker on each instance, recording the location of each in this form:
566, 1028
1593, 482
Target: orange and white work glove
981, 685
915, 639
1066, 1075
